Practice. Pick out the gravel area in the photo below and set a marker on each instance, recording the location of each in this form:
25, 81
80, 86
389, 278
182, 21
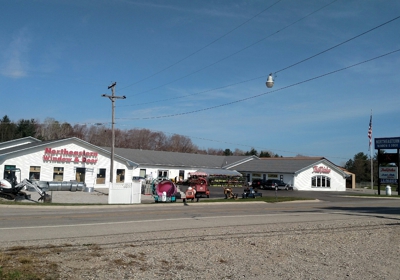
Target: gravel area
367, 248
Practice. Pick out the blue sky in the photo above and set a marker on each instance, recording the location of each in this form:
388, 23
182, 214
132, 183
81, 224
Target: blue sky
198, 68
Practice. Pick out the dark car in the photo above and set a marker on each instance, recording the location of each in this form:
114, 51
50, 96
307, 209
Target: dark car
273, 184
257, 183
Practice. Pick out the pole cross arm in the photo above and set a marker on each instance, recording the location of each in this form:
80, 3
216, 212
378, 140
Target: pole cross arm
113, 97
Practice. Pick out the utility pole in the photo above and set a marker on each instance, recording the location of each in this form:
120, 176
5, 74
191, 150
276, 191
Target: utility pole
112, 97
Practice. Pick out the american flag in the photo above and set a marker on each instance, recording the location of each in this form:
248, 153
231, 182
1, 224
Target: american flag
370, 131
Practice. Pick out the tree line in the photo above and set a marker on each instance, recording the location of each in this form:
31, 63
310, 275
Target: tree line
360, 165
100, 135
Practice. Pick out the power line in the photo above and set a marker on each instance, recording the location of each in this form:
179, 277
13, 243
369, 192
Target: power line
262, 94
335, 46
202, 48
285, 68
208, 90
239, 51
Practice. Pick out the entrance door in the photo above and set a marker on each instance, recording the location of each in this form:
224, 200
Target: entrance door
80, 174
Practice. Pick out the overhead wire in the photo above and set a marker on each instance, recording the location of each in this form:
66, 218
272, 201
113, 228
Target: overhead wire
261, 94
204, 47
235, 53
263, 76
335, 46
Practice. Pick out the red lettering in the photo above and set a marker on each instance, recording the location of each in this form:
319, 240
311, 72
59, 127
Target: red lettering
70, 153
321, 169
388, 169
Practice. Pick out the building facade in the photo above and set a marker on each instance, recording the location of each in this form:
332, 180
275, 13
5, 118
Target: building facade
77, 160
303, 173
69, 159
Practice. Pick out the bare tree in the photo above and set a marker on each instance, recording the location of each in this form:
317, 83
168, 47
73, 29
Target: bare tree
159, 141
180, 143
66, 131
238, 152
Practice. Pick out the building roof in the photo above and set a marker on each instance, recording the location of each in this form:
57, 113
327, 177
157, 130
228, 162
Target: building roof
26, 146
174, 159
18, 142
277, 165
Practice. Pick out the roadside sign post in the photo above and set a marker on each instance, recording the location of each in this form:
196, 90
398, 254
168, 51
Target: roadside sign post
388, 174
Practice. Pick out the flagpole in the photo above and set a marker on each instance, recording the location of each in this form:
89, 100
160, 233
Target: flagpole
372, 171
370, 141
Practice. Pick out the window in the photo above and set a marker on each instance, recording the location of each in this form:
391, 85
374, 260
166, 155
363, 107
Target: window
80, 174
34, 173
101, 176
320, 181
58, 174
120, 175
163, 173
7, 172
181, 175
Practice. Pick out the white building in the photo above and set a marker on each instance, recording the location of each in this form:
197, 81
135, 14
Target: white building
303, 173
75, 159
63, 160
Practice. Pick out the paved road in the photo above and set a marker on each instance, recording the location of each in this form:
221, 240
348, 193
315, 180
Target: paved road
42, 223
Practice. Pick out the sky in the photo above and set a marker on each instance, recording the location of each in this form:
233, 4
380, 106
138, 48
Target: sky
198, 68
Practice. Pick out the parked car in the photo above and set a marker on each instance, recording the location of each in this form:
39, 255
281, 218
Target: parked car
257, 184
272, 184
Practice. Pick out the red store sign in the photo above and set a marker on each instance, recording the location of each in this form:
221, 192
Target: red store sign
64, 155
321, 169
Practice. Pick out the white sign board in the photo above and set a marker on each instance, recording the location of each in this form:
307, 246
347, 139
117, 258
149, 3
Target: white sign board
388, 172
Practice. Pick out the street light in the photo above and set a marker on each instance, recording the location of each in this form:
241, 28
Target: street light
270, 81
112, 98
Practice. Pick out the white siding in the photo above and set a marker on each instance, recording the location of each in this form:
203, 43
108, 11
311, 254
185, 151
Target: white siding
303, 180
35, 157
